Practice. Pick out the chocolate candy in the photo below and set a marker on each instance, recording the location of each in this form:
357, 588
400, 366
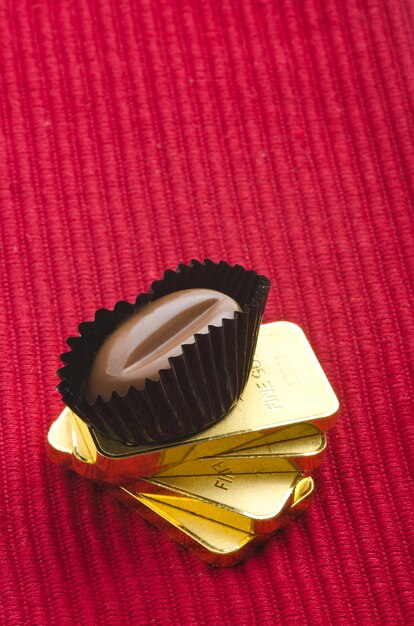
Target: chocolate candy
172, 363
141, 346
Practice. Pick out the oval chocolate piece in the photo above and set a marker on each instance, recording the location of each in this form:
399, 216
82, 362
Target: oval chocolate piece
141, 346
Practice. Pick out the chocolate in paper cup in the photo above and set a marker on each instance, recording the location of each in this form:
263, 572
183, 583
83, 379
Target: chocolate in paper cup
200, 385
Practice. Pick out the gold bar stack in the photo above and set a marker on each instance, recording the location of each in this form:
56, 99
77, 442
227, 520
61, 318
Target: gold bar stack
230, 487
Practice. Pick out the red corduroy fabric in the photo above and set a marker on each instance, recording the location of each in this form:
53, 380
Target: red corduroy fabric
137, 134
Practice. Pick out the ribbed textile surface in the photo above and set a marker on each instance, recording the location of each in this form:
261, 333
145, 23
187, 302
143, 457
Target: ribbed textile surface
137, 134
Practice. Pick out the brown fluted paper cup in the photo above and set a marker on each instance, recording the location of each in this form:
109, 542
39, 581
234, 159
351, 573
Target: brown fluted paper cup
199, 386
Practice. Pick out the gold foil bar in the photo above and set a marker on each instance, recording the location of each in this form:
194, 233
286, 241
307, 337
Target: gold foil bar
251, 502
215, 543
305, 451
303, 444
293, 453
303, 447
60, 442
308, 440
286, 386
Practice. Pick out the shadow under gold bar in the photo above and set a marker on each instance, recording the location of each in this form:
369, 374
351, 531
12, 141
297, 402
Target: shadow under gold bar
287, 386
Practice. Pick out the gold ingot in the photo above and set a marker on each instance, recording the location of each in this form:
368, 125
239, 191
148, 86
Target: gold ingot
303, 453
252, 502
303, 444
216, 543
287, 386
248, 501
303, 448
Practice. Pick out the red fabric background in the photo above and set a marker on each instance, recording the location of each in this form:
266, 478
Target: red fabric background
278, 134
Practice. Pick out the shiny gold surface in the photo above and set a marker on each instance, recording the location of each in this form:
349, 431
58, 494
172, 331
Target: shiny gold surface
303, 444
216, 543
304, 450
227, 466
288, 441
83, 448
304, 489
59, 439
247, 463
287, 386
207, 537
251, 502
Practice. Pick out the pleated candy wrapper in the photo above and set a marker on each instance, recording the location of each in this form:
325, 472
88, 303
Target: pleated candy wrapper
201, 384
